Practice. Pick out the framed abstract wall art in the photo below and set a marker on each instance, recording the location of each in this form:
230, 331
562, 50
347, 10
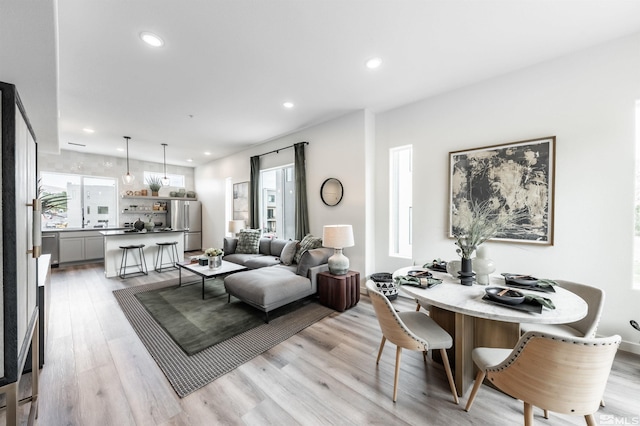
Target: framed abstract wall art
513, 179
241, 201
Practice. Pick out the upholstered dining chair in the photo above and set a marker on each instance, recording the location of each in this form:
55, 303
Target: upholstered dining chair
585, 327
557, 373
410, 330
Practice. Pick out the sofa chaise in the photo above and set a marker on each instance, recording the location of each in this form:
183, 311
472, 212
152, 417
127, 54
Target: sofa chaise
274, 278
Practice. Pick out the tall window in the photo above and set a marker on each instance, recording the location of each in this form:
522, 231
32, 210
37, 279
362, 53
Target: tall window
636, 239
277, 202
76, 201
401, 200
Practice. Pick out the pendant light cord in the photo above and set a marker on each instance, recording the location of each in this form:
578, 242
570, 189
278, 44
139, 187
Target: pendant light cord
164, 156
127, 139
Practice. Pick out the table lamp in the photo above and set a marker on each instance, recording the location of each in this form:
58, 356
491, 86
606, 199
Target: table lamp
236, 226
338, 237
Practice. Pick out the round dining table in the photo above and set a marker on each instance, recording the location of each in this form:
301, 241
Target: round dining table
475, 322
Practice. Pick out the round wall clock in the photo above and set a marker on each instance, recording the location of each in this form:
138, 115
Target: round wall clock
331, 191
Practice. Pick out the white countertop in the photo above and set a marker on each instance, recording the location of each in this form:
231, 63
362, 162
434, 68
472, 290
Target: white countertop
138, 233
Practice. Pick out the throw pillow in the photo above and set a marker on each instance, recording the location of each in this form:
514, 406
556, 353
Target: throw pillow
311, 258
308, 242
288, 252
248, 241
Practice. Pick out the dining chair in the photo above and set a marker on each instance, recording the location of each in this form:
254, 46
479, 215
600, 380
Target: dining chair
410, 330
585, 327
557, 373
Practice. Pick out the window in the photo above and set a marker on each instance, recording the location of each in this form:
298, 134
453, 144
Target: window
76, 201
174, 180
277, 202
401, 193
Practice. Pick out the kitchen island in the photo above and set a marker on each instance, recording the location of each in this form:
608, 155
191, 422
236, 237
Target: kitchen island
116, 238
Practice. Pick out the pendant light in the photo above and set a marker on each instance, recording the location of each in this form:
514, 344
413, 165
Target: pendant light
128, 178
165, 179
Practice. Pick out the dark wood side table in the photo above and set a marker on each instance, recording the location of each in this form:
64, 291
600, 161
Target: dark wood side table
339, 292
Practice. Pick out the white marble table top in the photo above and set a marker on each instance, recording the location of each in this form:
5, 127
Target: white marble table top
205, 271
453, 296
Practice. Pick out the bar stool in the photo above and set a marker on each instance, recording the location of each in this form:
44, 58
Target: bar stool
142, 265
172, 255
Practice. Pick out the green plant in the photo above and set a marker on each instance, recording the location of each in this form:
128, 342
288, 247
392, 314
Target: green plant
51, 202
155, 183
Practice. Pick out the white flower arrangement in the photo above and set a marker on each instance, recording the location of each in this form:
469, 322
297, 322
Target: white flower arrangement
211, 252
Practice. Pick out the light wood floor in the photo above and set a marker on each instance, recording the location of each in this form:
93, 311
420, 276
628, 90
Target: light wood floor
97, 372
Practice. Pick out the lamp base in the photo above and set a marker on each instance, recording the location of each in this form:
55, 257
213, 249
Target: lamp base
338, 263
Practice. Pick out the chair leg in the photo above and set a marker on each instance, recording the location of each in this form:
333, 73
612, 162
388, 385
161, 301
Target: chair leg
591, 421
384, 340
546, 413
476, 386
528, 414
395, 379
424, 356
447, 368
417, 306
602, 402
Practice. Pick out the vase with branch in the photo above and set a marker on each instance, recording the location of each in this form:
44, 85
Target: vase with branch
473, 224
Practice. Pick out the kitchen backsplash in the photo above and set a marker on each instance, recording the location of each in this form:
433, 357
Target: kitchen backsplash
107, 166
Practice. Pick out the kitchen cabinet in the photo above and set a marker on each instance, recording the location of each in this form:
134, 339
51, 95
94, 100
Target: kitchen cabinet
79, 246
93, 248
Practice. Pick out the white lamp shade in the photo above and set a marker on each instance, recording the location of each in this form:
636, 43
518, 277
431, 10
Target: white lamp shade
337, 236
236, 226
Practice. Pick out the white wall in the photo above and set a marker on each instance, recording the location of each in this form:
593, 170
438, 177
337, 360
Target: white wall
336, 149
587, 101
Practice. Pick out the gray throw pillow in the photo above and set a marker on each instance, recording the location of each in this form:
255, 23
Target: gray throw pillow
311, 258
248, 241
289, 250
308, 242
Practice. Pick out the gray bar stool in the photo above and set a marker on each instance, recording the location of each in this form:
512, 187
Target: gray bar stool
142, 264
172, 256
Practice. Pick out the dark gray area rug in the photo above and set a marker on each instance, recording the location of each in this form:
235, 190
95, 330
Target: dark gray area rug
188, 373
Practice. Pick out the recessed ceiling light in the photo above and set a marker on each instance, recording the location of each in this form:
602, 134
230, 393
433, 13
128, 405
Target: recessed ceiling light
120, 149
88, 130
374, 63
151, 39
189, 160
288, 105
207, 153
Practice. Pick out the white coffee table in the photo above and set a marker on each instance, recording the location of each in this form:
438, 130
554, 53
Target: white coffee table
208, 273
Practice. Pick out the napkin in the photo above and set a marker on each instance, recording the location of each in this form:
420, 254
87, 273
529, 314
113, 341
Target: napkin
417, 282
548, 303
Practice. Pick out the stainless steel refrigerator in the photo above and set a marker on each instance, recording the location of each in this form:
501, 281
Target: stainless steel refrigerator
187, 215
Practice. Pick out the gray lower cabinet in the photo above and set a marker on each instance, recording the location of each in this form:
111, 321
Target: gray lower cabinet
78, 246
94, 248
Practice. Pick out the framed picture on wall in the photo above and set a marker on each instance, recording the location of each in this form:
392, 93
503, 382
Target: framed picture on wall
241, 201
514, 179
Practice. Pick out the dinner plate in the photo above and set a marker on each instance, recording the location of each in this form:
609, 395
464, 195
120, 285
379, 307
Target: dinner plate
509, 297
520, 279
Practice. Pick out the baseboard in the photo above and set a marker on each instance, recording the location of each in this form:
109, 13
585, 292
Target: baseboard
630, 347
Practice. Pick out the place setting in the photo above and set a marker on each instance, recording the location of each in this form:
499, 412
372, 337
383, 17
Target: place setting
515, 299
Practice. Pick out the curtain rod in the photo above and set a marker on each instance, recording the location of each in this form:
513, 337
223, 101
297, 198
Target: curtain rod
278, 150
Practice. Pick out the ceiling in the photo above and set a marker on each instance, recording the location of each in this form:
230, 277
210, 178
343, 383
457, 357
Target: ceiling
226, 67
